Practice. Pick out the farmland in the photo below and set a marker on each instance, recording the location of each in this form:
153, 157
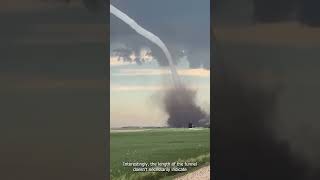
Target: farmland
160, 145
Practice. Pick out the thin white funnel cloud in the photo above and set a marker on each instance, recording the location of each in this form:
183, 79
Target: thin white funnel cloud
153, 38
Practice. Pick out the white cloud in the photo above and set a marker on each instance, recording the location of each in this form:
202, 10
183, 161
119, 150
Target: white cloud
163, 71
136, 88
194, 72
118, 87
115, 62
145, 54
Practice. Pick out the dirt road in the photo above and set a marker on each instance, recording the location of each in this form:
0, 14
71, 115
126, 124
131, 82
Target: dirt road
200, 174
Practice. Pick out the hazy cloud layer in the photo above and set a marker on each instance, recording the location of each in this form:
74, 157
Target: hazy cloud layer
159, 72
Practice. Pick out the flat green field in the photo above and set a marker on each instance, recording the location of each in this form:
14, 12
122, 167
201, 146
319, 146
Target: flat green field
157, 145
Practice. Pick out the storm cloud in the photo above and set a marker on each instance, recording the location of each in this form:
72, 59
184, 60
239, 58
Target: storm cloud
182, 25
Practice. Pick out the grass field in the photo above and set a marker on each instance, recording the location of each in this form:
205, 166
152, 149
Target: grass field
157, 145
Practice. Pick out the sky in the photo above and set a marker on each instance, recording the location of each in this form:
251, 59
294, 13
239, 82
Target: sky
181, 24
136, 89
